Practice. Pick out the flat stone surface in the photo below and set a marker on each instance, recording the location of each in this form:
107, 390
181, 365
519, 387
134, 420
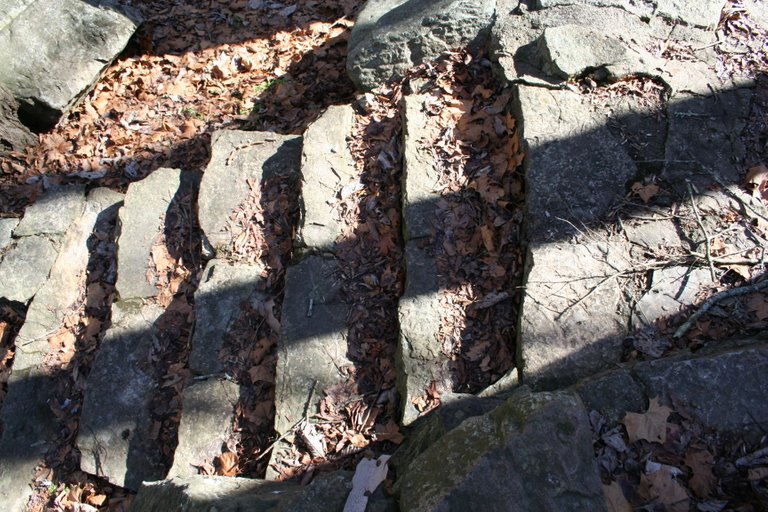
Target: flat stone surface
571, 50
420, 174
672, 289
535, 451
576, 169
612, 394
61, 292
701, 385
327, 166
53, 213
114, 438
218, 300
573, 315
6, 230
236, 158
49, 66
705, 13
390, 36
420, 360
14, 136
25, 267
313, 343
655, 235
207, 416
29, 426
326, 493
141, 226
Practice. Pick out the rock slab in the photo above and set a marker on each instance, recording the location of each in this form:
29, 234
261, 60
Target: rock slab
535, 451
237, 159
392, 35
14, 136
49, 66
114, 440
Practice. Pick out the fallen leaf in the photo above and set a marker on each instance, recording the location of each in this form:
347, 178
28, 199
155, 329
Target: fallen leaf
662, 485
615, 499
650, 425
645, 192
703, 481
759, 306
227, 464
757, 180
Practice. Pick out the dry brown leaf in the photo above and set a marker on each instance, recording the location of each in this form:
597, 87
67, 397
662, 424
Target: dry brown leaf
615, 499
227, 464
757, 179
664, 487
703, 481
650, 425
389, 432
645, 192
758, 305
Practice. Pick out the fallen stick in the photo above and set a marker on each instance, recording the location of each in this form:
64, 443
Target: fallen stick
707, 305
707, 244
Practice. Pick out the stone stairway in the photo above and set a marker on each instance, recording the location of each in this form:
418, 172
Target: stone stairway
529, 439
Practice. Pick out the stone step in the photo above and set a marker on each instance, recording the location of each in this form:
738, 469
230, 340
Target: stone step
65, 219
49, 66
312, 350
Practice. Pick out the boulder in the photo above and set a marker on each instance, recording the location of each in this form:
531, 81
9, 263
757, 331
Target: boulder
672, 289
51, 53
114, 439
240, 160
702, 13
53, 213
391, 36
14, 136
25, 267
535, 451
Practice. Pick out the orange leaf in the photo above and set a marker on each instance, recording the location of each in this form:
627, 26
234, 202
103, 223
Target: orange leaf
645, 192
227, 464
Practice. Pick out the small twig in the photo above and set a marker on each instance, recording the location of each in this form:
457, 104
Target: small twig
757, 458
304, 419
585, 297
707, 305
706, 234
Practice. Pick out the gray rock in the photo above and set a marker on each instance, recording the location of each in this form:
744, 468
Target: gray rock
672, 289
392, 35
14, 136
502, 387
218, 300
53, 213
238, 157
225, 494
326, 167
453, 410
61, 292
703, 13
142, 225
49, 66
420, 174
313, 345
29, 427
207, 416
6, 230
420, 360
25, 268
535, 451
114, 439
654, 235
574, 314
568, 51
699, 384
612, 394
575, 167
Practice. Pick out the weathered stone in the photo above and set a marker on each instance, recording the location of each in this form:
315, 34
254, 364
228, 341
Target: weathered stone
29, 426
237, 158
535, 451
327, 166
573, 315
225, 494
115, 440
699, 384
61, 291
6, 230
14, 136
420, 360
703, 13
700, 144
392, 35
453, 410
218, 300
49, 66
612, 394
575, 167
207, 415
420, 174
142, 220
25, 267
313, 343
655, 235
502, 387
53, 213
672, 289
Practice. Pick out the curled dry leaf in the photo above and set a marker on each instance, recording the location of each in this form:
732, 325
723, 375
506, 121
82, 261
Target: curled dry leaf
645, 192
757, 181
650, 425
